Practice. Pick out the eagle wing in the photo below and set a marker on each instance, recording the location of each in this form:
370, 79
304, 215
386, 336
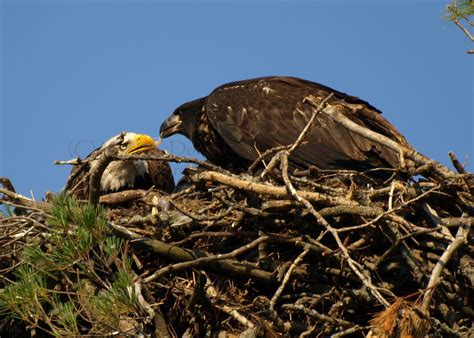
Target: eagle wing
255, 115
78, 180
160, 172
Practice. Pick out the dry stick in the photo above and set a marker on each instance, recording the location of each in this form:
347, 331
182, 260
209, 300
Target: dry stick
74, 161
317, 315
268, 189
204, 260
350, 330
454, 9
122, 196
201, 234
400, 240
459, 167
200, 218
211, 292
161, 327
23, 201
305, 130
451, 222
143, 303
287, 277
383, 140
82, 164
263, 155
269, 167
390, 195
103, 161
297, 142
352, 264
461, 238
436, 220
172, 158
464, 29
176, 253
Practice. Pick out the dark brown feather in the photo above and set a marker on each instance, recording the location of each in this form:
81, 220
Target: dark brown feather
160, 173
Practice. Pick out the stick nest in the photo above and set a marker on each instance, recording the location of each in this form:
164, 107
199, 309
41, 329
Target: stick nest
293, 253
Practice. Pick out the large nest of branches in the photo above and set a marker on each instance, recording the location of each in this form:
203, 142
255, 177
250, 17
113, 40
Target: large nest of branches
278, 253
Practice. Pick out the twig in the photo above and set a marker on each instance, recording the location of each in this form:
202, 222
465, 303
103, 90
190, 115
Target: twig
74, 161
461, 238
197, 217
122, 196
203, 260
459, 167
287, 277
305, 130
141, 300
400, 240
211, 292
179, 254
172, 158
267, 189
23, 201
390, 196
97, 170
161, 329
216, 234
263, 155
351, 330
297, 142
464, 29
317, 315
436, 220
365, 279
384, 140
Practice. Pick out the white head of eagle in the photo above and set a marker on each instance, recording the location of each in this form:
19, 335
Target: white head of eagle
128, 174
120, 174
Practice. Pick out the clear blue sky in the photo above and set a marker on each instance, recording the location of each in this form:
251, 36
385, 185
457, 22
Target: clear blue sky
74, 73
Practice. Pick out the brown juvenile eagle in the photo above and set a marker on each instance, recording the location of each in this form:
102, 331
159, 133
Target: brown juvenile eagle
122, 175
240, 120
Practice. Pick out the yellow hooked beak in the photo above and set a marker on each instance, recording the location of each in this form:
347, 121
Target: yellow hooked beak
140, 143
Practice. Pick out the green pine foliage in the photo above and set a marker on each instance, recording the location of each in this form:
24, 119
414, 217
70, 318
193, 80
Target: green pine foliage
6, 210
22, 300
460, 10
75, 278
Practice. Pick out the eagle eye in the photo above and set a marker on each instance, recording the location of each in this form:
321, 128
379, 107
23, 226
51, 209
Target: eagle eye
123, 146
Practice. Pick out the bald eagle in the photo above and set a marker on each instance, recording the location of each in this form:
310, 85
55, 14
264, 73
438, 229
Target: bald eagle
238, 121
122, 175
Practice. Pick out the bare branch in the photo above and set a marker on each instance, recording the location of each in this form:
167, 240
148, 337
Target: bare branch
204, 260
464, 29
211, 292
305, 130
365, 279
176, 253
96, 172
267, 189
381, 139
459, 240
287, 277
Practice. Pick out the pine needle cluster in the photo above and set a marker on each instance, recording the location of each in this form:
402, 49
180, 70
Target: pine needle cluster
74, 278
459, 10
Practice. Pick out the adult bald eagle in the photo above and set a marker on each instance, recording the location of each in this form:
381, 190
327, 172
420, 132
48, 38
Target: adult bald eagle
238, 121
122, 175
